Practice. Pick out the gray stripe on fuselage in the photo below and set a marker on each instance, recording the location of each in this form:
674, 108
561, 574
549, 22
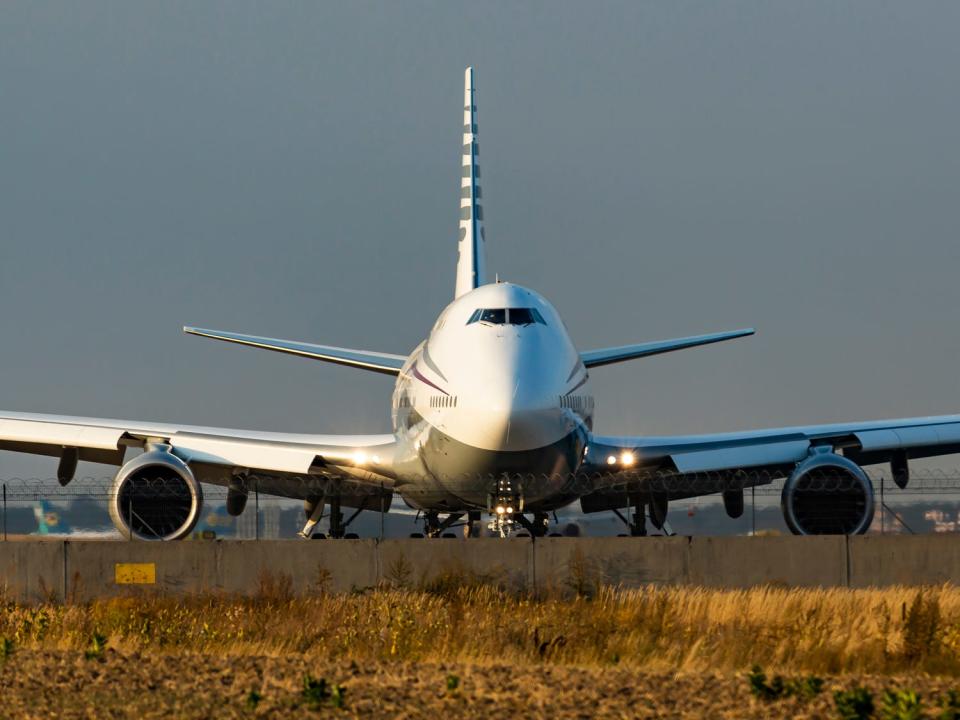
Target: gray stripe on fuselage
429, 362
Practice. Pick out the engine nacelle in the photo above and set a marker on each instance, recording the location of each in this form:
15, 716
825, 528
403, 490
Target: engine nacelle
828, 494
156, 497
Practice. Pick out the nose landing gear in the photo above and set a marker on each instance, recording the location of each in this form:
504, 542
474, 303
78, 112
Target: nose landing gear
506, 507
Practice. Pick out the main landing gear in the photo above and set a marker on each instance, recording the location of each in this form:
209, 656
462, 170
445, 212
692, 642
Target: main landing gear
636, 520
313, 508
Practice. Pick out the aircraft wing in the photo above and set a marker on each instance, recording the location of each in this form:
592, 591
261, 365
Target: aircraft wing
218, 453
772, 450
608, 356
385, 363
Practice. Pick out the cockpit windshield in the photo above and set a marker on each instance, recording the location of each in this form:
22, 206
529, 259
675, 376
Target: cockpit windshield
503, 316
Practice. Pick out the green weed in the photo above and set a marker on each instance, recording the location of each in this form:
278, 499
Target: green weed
901, 705
98, 643
779, 688
856, 704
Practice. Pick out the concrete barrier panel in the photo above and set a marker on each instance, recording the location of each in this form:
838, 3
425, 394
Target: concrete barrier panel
32, 571
311, 566
877, 560
413, 562
571, 563
740, 562
106, 568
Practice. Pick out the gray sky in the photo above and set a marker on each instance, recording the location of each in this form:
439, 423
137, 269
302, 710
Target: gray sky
655, 169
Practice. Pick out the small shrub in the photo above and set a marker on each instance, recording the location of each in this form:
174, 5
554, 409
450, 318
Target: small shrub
253, 699
778, 688
453, 682
316, 693
950, 706
98, 643
274, 588
921, 628
399, 572
901, 705
856, 704
6, 648
338, 695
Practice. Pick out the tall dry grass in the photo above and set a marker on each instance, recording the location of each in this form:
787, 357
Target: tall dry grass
889, 630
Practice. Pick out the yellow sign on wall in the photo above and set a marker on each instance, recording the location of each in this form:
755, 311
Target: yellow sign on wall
135, 573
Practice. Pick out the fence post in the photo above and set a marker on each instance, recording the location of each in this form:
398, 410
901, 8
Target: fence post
4, 512
256, 508
883, 523
753, 509
382, 511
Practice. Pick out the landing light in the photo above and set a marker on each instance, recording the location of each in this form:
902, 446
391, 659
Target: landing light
612, 460
359, 458
509, 511
627, 458
500, 510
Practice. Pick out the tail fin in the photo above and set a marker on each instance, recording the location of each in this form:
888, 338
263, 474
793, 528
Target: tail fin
470, 266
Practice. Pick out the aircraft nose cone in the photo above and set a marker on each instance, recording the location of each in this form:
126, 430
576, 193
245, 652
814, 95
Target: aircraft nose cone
515, 412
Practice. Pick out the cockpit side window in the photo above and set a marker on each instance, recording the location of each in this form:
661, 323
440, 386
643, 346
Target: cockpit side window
475, 316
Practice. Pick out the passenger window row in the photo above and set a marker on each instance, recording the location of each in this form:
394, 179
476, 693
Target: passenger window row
507, 316
437, 401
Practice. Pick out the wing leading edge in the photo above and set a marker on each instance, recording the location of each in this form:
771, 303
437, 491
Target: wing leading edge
363, 359
868, 442
607, 356
361, 458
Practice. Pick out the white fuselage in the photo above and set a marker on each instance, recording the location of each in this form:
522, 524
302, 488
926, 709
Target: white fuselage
492, 393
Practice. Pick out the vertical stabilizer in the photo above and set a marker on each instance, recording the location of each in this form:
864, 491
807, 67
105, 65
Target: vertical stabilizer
470, 265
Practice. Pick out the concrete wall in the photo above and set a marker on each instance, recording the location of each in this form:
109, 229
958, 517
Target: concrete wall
78, 571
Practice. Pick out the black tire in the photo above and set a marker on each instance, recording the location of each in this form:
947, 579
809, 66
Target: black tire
318, 536
416, 535
351, 536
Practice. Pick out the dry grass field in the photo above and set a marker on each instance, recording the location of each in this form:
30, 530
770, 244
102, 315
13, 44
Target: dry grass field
472, 650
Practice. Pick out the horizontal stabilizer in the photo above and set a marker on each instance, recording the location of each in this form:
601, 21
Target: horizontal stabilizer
607, 356
363, 359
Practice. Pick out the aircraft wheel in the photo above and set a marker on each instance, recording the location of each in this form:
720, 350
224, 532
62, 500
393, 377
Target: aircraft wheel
318, 536
416, 535
351, 536
555, 534
449, 535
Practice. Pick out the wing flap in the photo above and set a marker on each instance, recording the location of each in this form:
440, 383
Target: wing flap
745, 456
17, 431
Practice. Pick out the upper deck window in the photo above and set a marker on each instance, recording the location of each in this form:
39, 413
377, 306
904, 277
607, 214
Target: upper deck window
501, 316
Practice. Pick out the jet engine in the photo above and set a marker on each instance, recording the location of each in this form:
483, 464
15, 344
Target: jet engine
155, 497
828, 494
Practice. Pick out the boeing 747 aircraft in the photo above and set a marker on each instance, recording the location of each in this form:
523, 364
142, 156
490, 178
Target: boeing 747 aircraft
492, 419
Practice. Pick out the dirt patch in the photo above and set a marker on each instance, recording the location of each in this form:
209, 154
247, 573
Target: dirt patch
70, 684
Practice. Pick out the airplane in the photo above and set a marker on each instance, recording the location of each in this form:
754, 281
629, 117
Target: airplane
51, 523
492, 419
49, 520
